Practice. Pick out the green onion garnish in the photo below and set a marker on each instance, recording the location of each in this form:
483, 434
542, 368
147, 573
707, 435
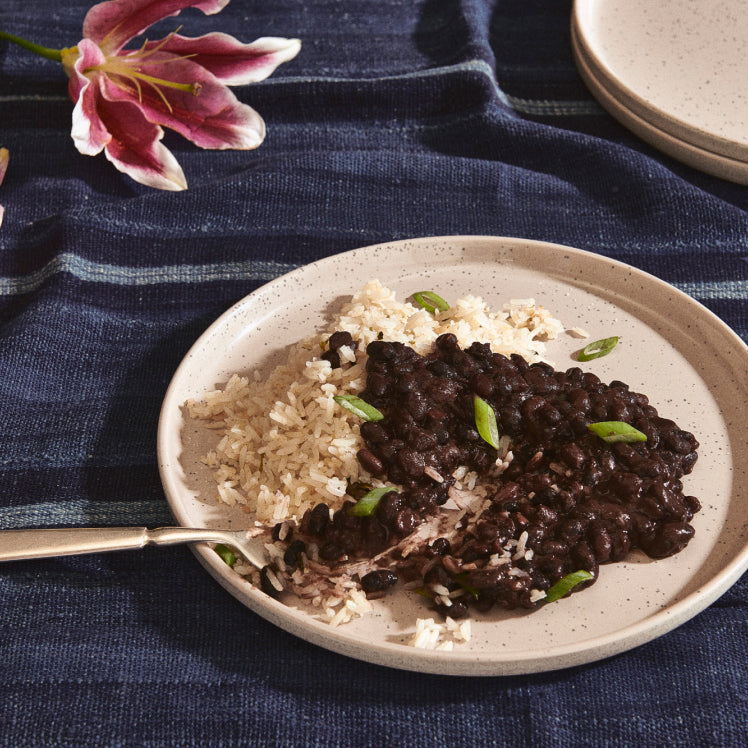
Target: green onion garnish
461, 579
359, 407
598, 348
616, 431
485, 421
430, 301
228, 556
424, 592
367, 504
565, 584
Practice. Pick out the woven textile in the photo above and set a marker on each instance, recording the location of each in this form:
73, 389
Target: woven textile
398, 119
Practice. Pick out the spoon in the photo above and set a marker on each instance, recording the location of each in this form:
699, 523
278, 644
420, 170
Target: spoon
47, 543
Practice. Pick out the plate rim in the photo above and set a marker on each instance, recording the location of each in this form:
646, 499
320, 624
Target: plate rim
455, 663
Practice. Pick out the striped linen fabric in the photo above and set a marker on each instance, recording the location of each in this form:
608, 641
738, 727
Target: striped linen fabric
398, 119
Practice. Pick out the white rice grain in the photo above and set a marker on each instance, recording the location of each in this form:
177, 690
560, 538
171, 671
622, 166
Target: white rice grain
285, 445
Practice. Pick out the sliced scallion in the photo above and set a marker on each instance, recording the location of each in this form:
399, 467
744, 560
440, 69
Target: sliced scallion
228, 556
359, 407
565, 584
485, 421
461, 579
424, 592
368, 503
616, 431
430, 301
598, 348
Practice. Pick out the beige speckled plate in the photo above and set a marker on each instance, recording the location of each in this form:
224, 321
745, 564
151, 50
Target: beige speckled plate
693, 367
677, 64
699, 158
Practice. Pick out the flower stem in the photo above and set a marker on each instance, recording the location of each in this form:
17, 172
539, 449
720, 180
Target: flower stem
50, 54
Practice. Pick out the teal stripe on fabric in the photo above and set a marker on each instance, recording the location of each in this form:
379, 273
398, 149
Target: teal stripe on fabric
122, 275
535, 107
730, 289
12, 98
81, 512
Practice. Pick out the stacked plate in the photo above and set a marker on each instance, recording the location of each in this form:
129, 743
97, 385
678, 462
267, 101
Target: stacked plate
675, 72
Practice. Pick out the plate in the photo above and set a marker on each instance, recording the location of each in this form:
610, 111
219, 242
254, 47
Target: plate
681, 150
678, 65
692, 366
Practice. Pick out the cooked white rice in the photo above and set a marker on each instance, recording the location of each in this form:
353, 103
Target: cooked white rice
285, 445
440, 636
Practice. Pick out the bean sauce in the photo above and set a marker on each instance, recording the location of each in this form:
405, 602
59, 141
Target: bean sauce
565, 500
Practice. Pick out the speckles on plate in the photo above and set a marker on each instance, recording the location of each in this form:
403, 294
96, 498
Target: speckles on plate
662, 357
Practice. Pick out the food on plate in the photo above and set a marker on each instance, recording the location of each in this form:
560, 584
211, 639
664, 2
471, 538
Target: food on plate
431, 445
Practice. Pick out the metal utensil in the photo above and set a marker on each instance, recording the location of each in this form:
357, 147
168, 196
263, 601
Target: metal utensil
47, 543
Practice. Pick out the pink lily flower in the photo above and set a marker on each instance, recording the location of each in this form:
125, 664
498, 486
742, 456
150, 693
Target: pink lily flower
3, 168
124, 97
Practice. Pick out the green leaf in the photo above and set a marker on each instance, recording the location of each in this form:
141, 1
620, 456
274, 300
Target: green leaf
566, 584
616, 431
485, 421
359, 407
430, 301
598, 348
367, 504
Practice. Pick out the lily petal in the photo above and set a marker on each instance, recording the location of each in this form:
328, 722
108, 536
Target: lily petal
211, 118
233, 63
113, 23
89, 133
79, 59
134, 145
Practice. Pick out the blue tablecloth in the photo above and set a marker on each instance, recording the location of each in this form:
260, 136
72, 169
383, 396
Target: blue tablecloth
399, 118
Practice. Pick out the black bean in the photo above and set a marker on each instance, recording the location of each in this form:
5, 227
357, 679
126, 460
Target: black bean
693, 504
380, 350
377, 384
670, 538
580, 399
370, 462
266, 585
331, 552
275, 533
319, 519
572, 455
600, 541
339, 339
458, 609
581, 501
571, 530
405, 521
422, 440
332, 357
482, 385
389, 505
379, 580
584, 558
627, 485
292, 555
438, 575
438, 547
374, 433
